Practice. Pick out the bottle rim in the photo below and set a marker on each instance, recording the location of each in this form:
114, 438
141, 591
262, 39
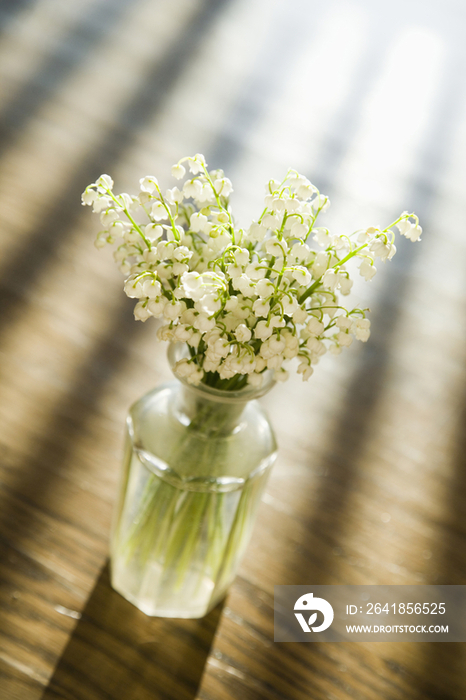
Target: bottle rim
179, 351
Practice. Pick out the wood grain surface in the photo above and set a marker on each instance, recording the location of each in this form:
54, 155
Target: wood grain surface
369, 100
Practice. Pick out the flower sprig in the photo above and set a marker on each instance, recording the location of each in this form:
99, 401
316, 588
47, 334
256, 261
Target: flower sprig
243, 300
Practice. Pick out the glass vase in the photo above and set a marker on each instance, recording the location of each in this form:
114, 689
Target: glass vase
196, 463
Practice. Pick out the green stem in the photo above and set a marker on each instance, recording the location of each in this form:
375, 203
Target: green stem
219, 203
135, 225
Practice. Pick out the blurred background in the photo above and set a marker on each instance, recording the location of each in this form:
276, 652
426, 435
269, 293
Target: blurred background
367, 98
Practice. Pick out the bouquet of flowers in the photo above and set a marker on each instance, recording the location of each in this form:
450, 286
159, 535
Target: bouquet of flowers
244, 300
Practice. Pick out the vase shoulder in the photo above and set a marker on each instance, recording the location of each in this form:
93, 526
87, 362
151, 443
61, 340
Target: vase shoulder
160, 429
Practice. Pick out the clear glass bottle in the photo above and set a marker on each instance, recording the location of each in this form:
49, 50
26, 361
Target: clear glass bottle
196, 462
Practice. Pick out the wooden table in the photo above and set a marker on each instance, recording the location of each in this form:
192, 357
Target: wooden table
369, 100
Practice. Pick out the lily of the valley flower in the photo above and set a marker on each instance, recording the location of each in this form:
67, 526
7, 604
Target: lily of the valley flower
244, 300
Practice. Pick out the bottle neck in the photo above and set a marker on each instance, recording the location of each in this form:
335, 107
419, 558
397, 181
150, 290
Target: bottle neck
207, 409
213, 416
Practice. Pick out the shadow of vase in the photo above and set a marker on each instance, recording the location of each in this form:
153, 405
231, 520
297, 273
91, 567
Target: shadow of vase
116, 652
